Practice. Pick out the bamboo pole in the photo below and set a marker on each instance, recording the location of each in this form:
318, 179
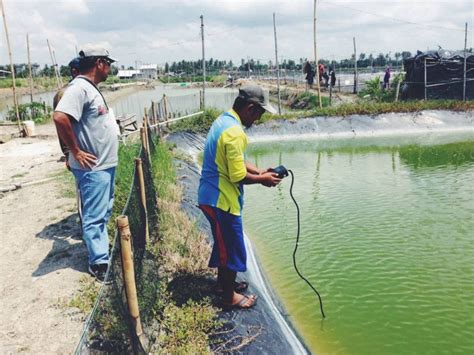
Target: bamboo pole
54, 65
58, 69
426, 95
142, 192
129, 274
355, 67
29, 67
316, 57
12, 69
203, 66
277, 66
145, 127
465, 65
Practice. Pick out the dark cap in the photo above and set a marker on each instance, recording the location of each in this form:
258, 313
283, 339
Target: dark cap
75, 63
255, 94
96, 52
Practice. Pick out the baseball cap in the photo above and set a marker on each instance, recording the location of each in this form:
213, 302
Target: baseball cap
255, 94
75, 63
96, 52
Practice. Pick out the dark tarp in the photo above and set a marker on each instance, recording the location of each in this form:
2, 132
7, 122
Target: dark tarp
444, 73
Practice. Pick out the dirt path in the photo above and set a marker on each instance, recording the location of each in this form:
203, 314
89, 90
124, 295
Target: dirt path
43, 256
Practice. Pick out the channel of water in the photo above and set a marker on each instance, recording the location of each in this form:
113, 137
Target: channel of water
386, 236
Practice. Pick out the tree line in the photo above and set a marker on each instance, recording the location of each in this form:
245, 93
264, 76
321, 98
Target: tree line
214, 66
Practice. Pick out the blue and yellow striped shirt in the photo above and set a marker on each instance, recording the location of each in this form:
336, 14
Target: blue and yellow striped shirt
224, 165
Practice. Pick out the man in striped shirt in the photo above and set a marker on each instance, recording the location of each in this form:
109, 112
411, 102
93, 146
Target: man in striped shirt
224, 172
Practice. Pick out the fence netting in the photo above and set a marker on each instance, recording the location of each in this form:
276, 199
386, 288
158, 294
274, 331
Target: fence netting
108, 327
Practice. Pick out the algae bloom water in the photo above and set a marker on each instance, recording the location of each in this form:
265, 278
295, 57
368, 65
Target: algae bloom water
387, 237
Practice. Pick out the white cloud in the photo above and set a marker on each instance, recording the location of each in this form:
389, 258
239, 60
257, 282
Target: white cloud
168, 30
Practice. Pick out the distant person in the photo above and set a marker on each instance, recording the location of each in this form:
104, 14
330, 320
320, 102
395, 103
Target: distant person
310, 73
84, 124
332, 75
74, 66
386, 79
321, 71
225, 171
326, 79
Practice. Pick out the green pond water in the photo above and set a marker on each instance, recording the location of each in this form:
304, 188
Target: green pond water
387, 237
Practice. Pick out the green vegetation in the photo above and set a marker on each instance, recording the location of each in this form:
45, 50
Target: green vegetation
373, 90
198, 124
173, 280
35, 111
308, 101
202, 123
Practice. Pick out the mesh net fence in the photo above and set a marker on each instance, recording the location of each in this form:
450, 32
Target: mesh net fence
109, 327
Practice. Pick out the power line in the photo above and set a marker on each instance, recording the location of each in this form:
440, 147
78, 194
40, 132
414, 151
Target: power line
397, 19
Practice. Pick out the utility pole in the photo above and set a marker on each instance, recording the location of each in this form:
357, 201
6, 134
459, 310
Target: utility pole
54, 65
465, 65
316, 57
355, 66
277, 66
203, 66
29, 67
12, 69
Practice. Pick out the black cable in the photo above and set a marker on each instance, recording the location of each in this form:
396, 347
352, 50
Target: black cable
296, 245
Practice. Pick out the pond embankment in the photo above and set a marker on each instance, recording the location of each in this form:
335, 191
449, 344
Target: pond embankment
268, 319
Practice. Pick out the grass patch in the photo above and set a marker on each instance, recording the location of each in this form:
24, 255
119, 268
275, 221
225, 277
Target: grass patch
67, 183
173, 280
202, 123
85, 298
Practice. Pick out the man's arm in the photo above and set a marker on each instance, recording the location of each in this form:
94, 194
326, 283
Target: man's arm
268, 179
252, 169
66, 135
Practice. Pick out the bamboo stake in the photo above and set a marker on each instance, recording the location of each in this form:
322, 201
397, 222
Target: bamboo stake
277, 66
203, 66
142, 191
143, 138
316, 57
57, 68
12, 69
54, 65
426, 95
29, 67
145, 127
355, 67
465, 67
129, 274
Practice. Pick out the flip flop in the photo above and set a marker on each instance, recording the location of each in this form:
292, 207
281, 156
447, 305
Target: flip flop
241, 304
239, 287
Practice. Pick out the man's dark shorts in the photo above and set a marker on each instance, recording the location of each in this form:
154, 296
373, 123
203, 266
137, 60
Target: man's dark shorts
229, 247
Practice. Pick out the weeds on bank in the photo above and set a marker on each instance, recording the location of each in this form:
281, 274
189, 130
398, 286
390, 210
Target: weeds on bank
85, 298
202, 123
183, 312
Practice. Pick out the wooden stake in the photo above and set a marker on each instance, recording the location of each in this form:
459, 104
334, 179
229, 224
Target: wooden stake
203, 67
54, 65
277, 66
426, 80
142, 191
129, 274
355, 67
316, 57
29, 67
465, 66
12, 69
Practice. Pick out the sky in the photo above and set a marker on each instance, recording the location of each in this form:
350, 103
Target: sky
159, 31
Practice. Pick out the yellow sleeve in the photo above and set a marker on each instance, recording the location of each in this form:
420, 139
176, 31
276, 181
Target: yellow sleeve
235, 145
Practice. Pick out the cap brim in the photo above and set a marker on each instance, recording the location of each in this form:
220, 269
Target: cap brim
270, 108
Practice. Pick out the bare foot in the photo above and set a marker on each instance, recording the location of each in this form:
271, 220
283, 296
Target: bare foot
241, 301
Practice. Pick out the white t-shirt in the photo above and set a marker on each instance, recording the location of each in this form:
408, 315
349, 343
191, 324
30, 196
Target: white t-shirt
94, 126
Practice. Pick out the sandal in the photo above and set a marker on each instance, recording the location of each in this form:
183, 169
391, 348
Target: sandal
246, 302
239, 287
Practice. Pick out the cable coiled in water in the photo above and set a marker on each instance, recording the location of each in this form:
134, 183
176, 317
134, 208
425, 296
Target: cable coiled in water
296, 245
